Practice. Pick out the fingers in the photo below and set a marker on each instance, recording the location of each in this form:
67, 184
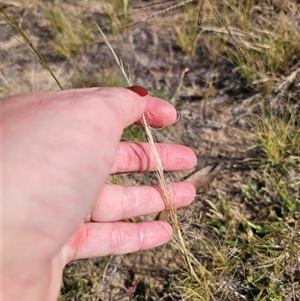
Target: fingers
166, 111
128, 105
158, 113
96, 239
122, 202
100, 239
133, 157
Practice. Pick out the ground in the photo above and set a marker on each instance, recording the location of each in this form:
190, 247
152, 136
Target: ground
212, 96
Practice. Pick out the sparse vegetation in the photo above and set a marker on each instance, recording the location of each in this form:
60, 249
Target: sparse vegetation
70, 35
185, 31
266, 37
242, 245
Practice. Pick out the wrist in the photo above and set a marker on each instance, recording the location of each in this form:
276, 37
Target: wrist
30, 281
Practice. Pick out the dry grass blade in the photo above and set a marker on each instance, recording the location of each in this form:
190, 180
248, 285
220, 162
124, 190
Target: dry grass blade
119, 62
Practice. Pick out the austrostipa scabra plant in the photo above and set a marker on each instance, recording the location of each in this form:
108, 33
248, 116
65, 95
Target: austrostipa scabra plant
166, 192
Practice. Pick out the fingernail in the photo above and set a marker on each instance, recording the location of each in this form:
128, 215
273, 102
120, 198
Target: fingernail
178, 116
138, 90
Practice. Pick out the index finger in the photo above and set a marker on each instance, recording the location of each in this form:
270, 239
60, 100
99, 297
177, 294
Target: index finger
158, 113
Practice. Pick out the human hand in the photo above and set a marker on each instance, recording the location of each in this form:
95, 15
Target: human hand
58, 149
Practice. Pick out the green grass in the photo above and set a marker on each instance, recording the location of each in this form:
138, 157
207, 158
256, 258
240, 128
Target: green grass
82, 279
265, 246
266, 36
117, 15
71, 35
12, 22
185, 31
279, 139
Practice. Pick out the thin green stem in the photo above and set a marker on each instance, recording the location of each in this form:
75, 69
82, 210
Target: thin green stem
11, 21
